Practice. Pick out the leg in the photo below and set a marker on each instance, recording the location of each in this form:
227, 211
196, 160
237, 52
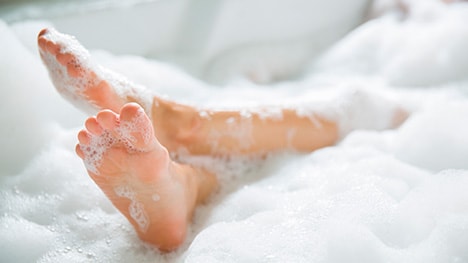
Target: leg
181, 127
204, 132
257, 132
157, 195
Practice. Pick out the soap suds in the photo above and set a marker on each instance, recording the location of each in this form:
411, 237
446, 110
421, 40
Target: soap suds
396, 195
94, 151
136, 208
99, 144
73, 88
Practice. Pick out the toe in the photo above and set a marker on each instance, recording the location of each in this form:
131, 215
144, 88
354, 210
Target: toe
93, 126
130, 111
79, 152
107, 119
64, 58
43, 32
42, 39
399, 117
84, 137
52, 47
42, 42
136, 126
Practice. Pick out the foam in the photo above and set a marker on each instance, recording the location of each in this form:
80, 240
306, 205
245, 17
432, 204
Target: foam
139, 125
378, 196
155, 197
73, 89
94, 151
237, 130
124, 134
136, 209
356, 108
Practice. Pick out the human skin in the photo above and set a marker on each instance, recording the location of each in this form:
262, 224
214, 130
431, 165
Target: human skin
126, 147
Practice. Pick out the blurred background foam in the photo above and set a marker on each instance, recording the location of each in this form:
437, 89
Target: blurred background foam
377, 196
211, 39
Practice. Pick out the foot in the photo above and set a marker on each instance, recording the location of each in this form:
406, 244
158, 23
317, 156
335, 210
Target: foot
91, 88
124, 158
77, 78
361, 109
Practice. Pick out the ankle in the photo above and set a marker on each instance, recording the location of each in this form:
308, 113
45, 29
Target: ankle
175, 125
207, 183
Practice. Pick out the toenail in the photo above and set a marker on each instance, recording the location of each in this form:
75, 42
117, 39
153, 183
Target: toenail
43, 32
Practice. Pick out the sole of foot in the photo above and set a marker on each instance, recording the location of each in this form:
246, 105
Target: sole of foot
127, 162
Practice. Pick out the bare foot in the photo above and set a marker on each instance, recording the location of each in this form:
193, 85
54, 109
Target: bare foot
91, 87
83, 82
124, 158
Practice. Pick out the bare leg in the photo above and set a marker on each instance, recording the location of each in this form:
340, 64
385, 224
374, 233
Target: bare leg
133, 168
180, 127
235, 132
157, 195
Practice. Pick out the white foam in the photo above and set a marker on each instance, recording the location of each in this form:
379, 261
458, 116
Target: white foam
139, 125
136, 209
237, 130
69, 87
378, 196
361, 109
126, 131
94, 151
73, 89
155, 197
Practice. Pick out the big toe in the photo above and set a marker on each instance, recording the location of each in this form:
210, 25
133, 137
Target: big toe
132, 112
41, 38
44, 40
136, 126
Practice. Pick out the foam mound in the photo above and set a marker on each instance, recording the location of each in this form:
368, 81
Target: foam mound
377, 196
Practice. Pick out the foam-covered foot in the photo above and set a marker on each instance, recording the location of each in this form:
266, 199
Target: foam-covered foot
361, 109
84, 83
127, 162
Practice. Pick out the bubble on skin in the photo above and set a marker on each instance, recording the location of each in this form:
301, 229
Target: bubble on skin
137, 212
204, 114
272, 113
353, 109
74, 88
138, 124
70, 87
290, 136
94, 151
246, 114
136, 209
124, 191
155, 197
239, 130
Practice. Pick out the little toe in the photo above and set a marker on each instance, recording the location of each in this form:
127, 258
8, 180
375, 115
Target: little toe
84, 137
107, 119
93, 126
